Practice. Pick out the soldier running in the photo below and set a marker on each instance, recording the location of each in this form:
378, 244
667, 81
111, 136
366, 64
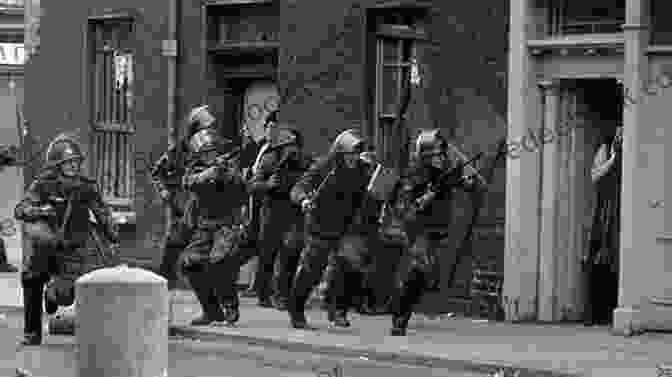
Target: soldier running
282, 222
60, 210
167, 175
423, 200
215, 181
330, 193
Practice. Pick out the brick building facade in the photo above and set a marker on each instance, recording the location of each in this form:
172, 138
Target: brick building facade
329, 65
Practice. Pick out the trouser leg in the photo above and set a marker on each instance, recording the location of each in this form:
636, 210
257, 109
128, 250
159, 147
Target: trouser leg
174, 243
408, 295
33, 291
311, 264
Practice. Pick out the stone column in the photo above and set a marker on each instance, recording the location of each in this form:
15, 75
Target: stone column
521, 265
633, 206
549, 206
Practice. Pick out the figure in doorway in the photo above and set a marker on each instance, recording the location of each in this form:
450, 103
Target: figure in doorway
602, 262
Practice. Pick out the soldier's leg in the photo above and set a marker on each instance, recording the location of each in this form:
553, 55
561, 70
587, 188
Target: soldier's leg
345, 277
34, 275
175, 240
286, 264
312, 261
233, 252
194, 262
272, 234
412, 282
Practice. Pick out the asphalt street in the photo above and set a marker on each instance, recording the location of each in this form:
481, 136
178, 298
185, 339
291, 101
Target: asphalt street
189, 358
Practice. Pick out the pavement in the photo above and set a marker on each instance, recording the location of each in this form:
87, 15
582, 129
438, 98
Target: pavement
451, 343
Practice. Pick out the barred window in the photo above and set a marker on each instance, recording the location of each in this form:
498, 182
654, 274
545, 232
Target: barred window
395, 41
111, 80
585, 17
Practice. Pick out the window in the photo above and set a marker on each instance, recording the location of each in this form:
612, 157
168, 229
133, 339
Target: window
661, 33
585, 17
111, 79
394, 41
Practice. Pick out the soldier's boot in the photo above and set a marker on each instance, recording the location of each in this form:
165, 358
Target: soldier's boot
303, 283
205, 293
287, 262
408, 295
231, 310
32, 315
340, 299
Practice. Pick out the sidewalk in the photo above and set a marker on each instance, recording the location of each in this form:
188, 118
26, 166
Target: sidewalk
453, 343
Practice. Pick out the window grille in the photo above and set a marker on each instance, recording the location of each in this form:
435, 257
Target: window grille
571, 17
111, 74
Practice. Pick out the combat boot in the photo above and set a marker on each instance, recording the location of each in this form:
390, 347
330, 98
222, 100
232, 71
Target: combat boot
303, 284
232, 311
399, 325
339, 318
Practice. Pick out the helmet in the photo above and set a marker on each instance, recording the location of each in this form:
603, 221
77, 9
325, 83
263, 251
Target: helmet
429, 143
62, 149
207, 140
202, 115
286, 136
348, 141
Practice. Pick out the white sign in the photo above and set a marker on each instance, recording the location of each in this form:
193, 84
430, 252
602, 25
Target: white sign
12, 53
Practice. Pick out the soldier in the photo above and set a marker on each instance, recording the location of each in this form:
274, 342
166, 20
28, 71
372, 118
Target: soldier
218, 191
167, 175
330, 193
423, 199
58, 210
278, 169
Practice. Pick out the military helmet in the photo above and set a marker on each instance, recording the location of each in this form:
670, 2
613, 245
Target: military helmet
349, 141
62, 149
207, 140
430, 143
202, 115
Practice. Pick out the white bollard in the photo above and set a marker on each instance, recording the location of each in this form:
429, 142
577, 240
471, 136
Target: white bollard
122, 323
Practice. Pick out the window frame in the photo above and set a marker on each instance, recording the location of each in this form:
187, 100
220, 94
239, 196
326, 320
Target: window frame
557, 23
407, 37
111, 136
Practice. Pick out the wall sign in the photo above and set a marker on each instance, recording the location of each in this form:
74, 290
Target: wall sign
12, 53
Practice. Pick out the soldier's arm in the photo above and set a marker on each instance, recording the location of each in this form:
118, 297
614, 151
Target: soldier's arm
159, 173
259, 184
308, 181
30, 208
103, 214
193, 177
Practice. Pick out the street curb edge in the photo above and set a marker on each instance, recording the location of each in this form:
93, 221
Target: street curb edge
402, 357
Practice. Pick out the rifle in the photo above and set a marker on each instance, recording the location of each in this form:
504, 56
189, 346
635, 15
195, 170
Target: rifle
446, 181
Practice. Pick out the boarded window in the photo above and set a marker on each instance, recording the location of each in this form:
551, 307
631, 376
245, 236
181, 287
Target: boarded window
111, 79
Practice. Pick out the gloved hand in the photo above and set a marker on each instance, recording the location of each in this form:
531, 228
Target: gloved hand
274, 181
307, 205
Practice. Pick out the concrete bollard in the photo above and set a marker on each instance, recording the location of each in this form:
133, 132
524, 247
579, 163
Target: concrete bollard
122, 323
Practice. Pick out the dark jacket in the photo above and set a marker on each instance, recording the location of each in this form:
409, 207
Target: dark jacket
437, 215
216, 200
83, 194
339, 200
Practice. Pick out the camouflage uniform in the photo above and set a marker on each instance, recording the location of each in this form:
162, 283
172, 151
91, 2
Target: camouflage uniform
281, 220
63, 217
167, 173
425, 228
331, 211
218, 193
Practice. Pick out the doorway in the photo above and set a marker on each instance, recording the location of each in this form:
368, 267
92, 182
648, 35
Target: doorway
580, 215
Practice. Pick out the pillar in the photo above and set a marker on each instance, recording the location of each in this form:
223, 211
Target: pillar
122, 323
522, 173
627, 318
549, 207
